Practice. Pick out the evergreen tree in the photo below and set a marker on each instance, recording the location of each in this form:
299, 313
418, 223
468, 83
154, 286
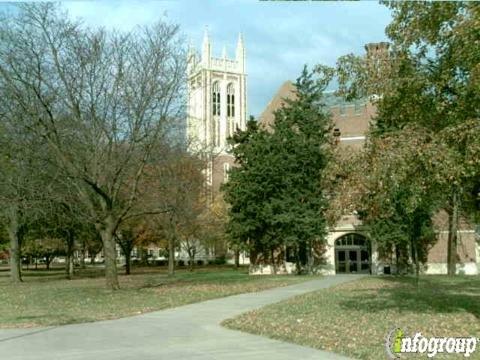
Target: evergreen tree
276, 192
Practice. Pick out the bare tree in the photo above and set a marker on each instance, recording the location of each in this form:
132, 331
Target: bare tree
100, 101
176, 184
21, 179
129, 235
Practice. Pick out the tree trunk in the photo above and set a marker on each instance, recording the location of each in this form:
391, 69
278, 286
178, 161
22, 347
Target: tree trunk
310, 258
274, 265
110, 252
15, 250
298, 261
452, 235
417, 263
82, 259
191, 262
69, 258
237, 258
171, 248
48, 260
92, 258
191, 257
171, 256
128, 260
126, 244
69, 266
143, 255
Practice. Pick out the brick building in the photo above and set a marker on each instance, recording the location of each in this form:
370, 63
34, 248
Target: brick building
217, 106
348, 249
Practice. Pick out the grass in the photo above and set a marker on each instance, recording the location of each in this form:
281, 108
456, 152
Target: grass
45, 298
354, 318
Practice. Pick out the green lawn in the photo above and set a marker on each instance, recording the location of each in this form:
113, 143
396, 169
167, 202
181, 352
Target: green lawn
46, 298
354, 318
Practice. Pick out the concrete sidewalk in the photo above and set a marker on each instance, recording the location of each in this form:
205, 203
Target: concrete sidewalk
187, 332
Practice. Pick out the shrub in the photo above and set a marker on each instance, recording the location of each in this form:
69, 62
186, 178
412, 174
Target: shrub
221, 260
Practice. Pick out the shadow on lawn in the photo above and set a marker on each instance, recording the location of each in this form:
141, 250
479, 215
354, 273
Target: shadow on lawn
435, 294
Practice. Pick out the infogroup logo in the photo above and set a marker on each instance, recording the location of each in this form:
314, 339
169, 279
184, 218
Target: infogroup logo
397, 344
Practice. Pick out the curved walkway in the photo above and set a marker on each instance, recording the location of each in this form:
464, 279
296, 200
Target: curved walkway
187, 332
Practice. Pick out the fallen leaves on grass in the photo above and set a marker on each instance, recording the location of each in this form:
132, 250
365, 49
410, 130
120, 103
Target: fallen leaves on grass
354, 318
58, 301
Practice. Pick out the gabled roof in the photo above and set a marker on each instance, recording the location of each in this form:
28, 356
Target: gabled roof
286, 91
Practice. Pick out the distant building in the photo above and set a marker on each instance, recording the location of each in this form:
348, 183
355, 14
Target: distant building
217, 105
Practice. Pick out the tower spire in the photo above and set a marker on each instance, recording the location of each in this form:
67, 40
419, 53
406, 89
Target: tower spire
240, 53
206, 48
191, 56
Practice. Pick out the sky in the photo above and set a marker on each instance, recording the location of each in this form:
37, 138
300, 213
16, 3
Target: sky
280, 36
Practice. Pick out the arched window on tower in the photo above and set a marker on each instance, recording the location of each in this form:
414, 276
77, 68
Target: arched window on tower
216, 99
230, 108
216, 112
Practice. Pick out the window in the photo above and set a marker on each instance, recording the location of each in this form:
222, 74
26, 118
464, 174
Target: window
216, 99
230, 108
216, 112
230, 100
226, 169
351, 240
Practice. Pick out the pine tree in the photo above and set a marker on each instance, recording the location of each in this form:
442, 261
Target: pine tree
276, 192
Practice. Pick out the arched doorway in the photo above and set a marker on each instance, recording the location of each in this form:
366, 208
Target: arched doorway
352, 254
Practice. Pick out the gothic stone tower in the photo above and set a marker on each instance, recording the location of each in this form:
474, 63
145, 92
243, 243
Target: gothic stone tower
217, 105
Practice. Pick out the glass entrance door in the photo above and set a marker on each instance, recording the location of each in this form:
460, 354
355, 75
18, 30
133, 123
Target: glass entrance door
353, 261
348, 261
341, 261
352, 254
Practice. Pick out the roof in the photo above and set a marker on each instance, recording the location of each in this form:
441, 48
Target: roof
287, 91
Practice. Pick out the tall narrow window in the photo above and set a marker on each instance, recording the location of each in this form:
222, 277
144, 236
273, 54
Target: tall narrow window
230, 108
216, 112
216, 99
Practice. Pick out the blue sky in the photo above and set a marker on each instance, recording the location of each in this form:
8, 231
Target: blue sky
280, 37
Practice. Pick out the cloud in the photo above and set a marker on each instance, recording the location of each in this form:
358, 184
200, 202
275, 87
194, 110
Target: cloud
280, 37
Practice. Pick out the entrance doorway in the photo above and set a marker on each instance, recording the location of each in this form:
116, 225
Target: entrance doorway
352, 254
